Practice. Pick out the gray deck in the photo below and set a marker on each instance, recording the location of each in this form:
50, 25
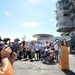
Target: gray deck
38, 68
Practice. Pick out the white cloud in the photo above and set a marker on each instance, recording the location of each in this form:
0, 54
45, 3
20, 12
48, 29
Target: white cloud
7, 13
54, 23
37, 1
52, 1
34, 1
30, 24
39, 13
51, 20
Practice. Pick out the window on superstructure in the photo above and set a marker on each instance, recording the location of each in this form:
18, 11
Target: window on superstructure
68, 22
67, 8
64, 8
65, 14
67, 2
59, 2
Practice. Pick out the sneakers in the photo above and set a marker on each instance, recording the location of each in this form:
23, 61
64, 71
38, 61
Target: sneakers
47, 62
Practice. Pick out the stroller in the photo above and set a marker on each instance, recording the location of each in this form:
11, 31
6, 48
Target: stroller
47, 56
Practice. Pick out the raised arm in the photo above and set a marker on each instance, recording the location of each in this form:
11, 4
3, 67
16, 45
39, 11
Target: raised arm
6, 67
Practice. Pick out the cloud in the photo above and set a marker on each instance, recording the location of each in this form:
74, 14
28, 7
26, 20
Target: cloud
7, 13
34, 1
39, 13
51, 20
54, 23
37, 1
52, 1
30, 24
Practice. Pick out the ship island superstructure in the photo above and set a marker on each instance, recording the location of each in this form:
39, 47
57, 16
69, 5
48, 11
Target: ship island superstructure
65, 16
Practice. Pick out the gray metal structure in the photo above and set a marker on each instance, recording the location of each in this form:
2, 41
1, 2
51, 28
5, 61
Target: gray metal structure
65, 15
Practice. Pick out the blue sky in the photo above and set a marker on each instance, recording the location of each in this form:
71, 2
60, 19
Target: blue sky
27, 17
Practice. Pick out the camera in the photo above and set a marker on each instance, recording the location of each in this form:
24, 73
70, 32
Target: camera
14, 46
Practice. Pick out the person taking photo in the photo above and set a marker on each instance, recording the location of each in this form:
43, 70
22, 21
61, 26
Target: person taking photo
6, 61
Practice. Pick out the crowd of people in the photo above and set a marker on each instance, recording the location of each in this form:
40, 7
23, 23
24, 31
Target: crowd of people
36, 51
47, 52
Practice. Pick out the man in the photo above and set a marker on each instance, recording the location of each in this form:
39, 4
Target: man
46, 45
56, 48
38, 48
6, 64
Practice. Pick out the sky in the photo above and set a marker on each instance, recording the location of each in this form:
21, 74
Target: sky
20, 18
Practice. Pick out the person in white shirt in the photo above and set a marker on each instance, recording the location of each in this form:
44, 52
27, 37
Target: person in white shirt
56, 48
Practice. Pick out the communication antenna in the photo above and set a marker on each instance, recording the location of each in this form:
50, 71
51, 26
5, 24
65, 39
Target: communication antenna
24, 38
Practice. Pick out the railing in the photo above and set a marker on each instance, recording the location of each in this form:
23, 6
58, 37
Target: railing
72, 15
70, 7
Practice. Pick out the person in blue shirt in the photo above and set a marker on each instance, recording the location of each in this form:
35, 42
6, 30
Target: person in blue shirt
37, 48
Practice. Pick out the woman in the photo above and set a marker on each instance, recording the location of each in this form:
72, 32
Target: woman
32, 50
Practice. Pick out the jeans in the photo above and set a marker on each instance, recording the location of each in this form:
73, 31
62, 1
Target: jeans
56, 54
